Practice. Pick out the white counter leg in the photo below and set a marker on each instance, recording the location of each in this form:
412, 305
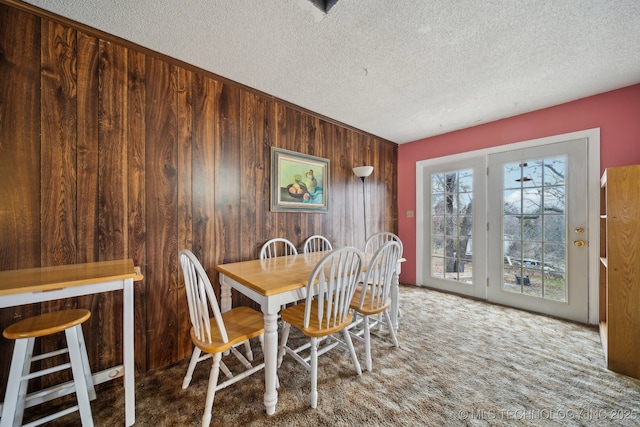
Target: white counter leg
129, 353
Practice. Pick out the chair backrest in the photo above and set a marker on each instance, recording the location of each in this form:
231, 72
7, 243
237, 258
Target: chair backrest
277, 247
316, 243
200, 296
333, 281
376, 241
379, 275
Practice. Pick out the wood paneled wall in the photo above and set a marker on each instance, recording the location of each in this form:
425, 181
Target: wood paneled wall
111, 152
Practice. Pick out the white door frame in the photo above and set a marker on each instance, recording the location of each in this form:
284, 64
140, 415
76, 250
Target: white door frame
593, 197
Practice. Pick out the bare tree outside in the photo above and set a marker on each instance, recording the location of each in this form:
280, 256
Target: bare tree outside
451, 215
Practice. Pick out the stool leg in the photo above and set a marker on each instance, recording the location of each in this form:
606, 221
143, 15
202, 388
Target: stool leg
85, 364
16, 393
78, 375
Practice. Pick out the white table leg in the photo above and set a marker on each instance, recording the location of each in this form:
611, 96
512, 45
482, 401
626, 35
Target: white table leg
225, 295
270, 360
395, 297
128, 353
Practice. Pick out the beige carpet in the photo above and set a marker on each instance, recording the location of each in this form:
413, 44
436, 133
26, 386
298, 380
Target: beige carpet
460, 362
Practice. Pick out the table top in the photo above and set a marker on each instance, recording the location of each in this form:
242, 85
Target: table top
62, 276
273, 275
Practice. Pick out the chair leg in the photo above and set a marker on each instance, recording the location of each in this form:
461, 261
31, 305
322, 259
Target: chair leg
314, 372
352, 350
391, 329
192, 366
248, 351
13, 406
367, 343
283, 342
211, 389
79, 379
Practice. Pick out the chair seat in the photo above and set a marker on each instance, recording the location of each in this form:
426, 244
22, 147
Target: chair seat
295, 316
241, 323
46, 324
368, 308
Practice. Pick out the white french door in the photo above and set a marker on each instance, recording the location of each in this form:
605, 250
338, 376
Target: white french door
511, 225
537, 230
456, 222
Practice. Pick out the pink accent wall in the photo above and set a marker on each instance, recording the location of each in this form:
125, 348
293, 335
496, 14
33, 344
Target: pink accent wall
616, 113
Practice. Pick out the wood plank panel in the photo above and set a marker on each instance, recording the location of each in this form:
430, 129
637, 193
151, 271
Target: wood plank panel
185, 217
161, 208
137, 208
112, 224
58, 149
19, 139
203, 172
325, 137
227, 177
248, 177
87, 57
87, 146
19, 156
266, 220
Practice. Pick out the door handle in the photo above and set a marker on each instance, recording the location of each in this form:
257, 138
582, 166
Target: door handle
579, 230
579, 243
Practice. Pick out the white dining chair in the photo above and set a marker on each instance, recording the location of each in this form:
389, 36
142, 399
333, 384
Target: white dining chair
375, 241
325, 312
277, 247
373, 297
316, 243
217, 335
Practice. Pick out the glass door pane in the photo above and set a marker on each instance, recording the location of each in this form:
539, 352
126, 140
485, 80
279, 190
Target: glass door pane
534, 225
452, 225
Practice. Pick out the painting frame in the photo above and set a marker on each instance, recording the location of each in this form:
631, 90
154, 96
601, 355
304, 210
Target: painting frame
299, 182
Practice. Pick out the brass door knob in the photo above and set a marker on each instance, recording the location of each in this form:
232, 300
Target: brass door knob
579, 243
579, 230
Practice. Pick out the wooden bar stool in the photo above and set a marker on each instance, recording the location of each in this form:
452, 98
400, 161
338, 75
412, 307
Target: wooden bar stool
24, 333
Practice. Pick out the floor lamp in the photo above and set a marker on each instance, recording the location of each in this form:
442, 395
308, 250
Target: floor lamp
362, 172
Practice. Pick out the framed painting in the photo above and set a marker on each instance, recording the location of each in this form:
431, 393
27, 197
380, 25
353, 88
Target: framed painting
299, 182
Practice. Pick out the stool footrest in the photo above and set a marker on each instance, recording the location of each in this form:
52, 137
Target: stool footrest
50, 354
47, 371
52, 417
50, 393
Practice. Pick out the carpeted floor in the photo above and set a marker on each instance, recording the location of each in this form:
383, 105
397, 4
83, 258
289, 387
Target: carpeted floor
460, 362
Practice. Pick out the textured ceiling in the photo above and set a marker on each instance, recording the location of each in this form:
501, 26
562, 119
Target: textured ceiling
402, 70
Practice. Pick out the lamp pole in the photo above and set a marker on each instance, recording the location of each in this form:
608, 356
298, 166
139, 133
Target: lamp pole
364, 209
362, 172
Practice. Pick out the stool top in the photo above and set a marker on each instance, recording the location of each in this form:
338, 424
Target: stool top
46, 324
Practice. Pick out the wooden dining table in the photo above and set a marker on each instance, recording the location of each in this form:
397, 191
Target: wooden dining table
272, 283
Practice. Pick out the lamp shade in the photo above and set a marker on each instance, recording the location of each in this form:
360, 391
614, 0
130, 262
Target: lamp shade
363, 171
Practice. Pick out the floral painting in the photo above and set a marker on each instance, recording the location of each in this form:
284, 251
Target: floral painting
299, 182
